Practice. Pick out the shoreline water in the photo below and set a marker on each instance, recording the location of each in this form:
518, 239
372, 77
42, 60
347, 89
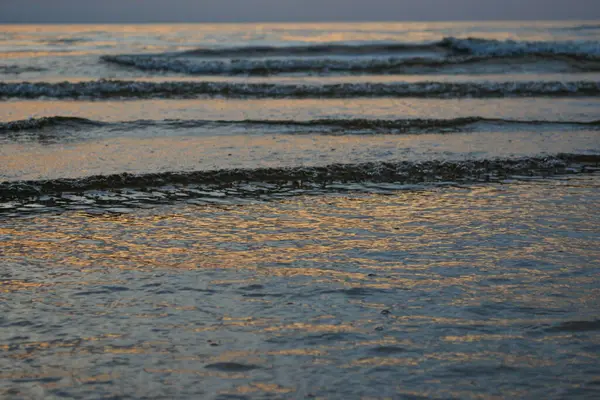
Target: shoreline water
226, 211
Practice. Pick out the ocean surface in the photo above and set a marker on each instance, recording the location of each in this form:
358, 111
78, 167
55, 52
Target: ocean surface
284, 211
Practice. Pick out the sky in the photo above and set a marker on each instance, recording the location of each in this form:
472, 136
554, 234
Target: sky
122, 11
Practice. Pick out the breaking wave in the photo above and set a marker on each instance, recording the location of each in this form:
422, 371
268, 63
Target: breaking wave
103, 89
383, 58
195, 184
584, 49
361, 65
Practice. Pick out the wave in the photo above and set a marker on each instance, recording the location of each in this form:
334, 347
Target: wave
332, 125
18, 69
309, 50
195, 183
410, 126
104, 89
363, 65
448, 45
584, 49
585, 27
47, 122
60, 41
389, 58
576, 326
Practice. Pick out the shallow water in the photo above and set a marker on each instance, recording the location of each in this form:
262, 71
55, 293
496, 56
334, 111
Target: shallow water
483, 291
263, 211
537, 109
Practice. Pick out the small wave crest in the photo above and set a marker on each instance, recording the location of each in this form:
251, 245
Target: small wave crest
46, 122
103, 89
584, 27
18, 69
194, 183
328, 125
65, 40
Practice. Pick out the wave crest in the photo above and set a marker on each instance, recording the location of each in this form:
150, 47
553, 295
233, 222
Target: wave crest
386, 58
471, 45
328, 125
361, 65
585, 49
46, 122
398, 172
310, 50
18, 69
102, 89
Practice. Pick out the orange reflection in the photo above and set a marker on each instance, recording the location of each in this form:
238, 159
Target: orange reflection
260, 387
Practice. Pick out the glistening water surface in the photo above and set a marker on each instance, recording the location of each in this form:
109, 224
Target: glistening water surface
462, 292
287, 211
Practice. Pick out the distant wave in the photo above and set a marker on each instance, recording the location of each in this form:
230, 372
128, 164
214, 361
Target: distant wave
60, 41
585, 49
400, 58
471, 45
103, 89
360, 65
398, 172
584, 27
310, 50
336, 126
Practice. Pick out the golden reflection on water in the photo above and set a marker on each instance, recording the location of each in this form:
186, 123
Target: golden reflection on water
384, 362
40, 53
299, 237
319, 328
262, 388
479, 338
290, 109
343, 257
140, 155
221, 375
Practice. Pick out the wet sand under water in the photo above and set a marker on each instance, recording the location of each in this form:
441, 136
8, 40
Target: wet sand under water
486, 291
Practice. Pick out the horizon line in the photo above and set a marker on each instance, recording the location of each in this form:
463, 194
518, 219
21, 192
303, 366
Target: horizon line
159, 22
